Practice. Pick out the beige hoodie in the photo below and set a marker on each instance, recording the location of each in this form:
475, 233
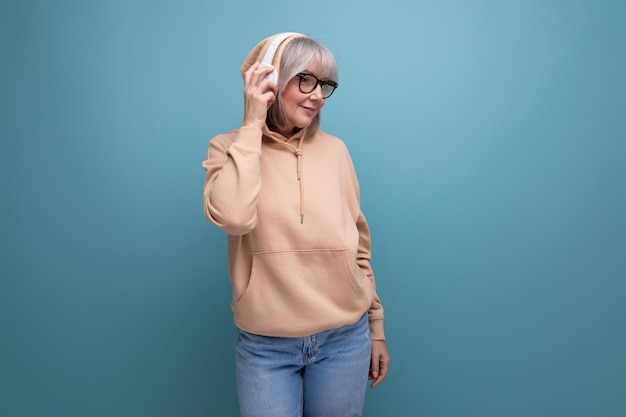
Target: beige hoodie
298, 243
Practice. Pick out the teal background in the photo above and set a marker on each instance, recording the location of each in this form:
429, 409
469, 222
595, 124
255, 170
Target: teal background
489, 141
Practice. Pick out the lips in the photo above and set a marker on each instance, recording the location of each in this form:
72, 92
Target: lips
309, 109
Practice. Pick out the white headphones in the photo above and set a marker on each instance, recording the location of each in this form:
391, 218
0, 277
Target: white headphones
271, 51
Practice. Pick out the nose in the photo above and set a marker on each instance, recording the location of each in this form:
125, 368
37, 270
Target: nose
317, 92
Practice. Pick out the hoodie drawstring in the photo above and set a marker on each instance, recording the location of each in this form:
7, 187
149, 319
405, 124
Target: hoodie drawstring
299, 175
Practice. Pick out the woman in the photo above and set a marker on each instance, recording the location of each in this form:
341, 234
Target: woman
304, 299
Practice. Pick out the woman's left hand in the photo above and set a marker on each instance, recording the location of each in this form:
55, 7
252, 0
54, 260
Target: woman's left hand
379, 365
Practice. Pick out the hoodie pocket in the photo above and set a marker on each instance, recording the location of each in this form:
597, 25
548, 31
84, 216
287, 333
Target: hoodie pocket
294, 287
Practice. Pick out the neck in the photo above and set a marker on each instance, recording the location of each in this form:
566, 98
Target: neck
287, 132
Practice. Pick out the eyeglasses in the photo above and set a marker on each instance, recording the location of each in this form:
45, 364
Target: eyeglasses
309, 82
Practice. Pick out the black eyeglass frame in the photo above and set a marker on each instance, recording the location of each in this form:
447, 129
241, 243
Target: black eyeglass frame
319, 82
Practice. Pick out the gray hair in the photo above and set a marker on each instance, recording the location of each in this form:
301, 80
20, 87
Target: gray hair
297, 56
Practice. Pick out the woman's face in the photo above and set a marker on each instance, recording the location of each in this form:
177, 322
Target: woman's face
301, 108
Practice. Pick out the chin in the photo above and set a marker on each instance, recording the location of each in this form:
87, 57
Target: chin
304, 123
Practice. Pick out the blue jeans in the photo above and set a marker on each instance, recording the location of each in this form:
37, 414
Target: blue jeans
322, 375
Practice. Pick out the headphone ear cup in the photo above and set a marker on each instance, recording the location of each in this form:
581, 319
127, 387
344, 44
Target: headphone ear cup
272, 76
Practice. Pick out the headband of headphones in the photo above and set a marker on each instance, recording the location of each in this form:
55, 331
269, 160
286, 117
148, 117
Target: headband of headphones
271, 51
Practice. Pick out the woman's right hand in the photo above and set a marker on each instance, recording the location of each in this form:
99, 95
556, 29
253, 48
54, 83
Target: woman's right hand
259, 94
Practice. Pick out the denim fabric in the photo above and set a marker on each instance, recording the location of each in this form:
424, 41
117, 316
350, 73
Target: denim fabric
322, 375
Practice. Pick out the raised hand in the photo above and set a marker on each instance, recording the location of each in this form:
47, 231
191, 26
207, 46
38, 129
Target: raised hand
259, 94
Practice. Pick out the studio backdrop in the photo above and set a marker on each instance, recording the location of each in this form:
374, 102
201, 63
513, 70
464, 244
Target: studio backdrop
489, 141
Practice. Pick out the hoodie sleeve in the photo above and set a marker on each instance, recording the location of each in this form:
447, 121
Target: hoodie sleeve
376, 312
364, 253
233, 180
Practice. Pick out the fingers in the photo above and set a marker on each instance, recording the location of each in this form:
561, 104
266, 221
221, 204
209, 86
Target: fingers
379, 366
380, 374
256, 74
259, 94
